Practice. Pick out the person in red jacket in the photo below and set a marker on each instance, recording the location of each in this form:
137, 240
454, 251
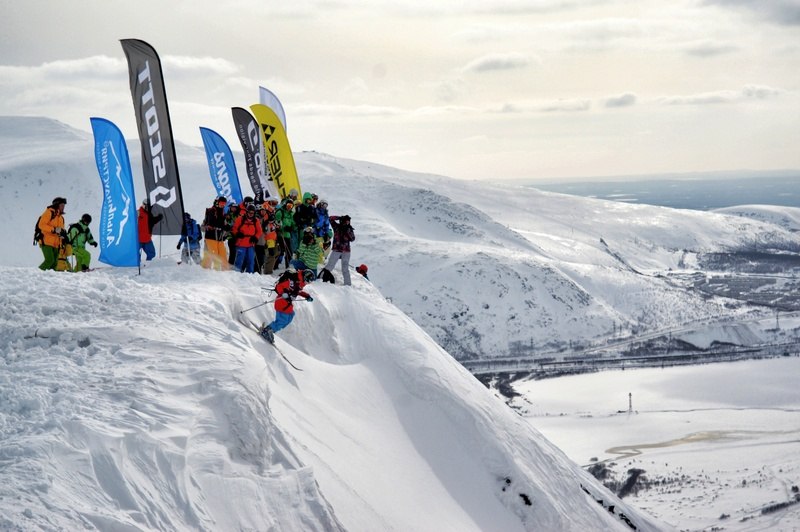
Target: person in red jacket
147, 221
246, 232
290, 285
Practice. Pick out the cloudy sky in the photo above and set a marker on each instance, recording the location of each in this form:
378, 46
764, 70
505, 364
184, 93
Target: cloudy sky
534, 89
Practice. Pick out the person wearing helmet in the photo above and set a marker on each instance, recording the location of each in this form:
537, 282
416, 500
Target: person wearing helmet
270, 228
305, 214
362, 270
190, 240
79, 235
50, 234
289, 287
216, 229
309, 253
287, 236
343, 234
322, 227
246, 231
234, 211
147, 220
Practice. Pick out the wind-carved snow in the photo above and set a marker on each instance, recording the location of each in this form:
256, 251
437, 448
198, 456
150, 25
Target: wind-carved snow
143, 403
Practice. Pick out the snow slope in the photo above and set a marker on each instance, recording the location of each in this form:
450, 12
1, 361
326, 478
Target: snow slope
491, 267
141, 402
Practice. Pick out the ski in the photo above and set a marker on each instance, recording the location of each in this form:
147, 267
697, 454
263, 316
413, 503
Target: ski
257, 329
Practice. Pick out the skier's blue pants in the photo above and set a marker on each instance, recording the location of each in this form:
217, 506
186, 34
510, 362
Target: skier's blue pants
282, 319
245, 259
149, 249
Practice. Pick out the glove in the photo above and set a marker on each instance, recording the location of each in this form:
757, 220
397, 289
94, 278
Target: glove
253, 240
178, 246
58, 230
286, 295
93, 244
309, 299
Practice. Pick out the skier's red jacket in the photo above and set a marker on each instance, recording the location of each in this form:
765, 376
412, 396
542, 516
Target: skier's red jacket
244, 228
287, 289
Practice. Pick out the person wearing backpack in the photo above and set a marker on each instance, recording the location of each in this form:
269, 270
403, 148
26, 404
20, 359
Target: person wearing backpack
190, 240
309, 254
343, 234
50, 234
216, 229
78, 236
247, 230
290, 286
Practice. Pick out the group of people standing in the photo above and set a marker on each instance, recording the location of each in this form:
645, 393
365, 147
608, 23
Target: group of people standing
248, 237
58, 243
262, 237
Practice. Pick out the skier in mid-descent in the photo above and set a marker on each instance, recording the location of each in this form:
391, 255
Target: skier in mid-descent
290, 285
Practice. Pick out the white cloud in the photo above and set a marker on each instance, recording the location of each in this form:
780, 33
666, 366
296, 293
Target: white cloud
748, 92
709, 48
551, 106
623, 100
494, 62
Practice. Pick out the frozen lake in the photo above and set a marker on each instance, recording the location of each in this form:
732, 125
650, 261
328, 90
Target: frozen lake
719, 443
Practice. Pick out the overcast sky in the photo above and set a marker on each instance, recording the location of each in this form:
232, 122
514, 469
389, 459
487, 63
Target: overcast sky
470, 89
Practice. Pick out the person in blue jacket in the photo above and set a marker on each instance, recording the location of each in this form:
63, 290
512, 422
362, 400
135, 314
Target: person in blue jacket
190, 240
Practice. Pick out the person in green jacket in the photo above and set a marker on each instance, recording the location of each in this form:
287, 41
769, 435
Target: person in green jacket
287, 234
309, 253
79, 235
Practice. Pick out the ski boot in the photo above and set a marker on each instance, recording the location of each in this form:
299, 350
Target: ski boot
267, 334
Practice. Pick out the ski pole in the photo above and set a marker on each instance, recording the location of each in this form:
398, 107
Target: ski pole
251, 308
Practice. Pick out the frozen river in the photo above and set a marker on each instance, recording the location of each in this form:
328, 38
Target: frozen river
719, 443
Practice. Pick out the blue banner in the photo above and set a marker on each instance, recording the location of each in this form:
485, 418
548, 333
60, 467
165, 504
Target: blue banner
221, 166
119, 232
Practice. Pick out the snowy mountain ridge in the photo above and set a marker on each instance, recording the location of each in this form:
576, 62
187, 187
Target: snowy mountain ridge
494, 265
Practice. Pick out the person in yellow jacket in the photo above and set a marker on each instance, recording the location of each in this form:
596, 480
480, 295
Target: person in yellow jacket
51, 227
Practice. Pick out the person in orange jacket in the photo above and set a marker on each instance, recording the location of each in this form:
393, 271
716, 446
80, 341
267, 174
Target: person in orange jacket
290, 285
246, 232
270, 227
51, 227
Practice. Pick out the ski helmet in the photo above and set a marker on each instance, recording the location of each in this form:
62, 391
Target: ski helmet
86, 219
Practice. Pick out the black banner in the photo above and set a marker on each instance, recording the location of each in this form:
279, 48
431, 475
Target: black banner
251, 139
159, 162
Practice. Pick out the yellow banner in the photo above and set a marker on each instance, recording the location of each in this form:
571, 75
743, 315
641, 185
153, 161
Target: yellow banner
280, 161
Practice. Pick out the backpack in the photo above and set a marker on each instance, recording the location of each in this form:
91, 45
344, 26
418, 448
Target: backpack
286, 275
76, 225
38, 236
327, 276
